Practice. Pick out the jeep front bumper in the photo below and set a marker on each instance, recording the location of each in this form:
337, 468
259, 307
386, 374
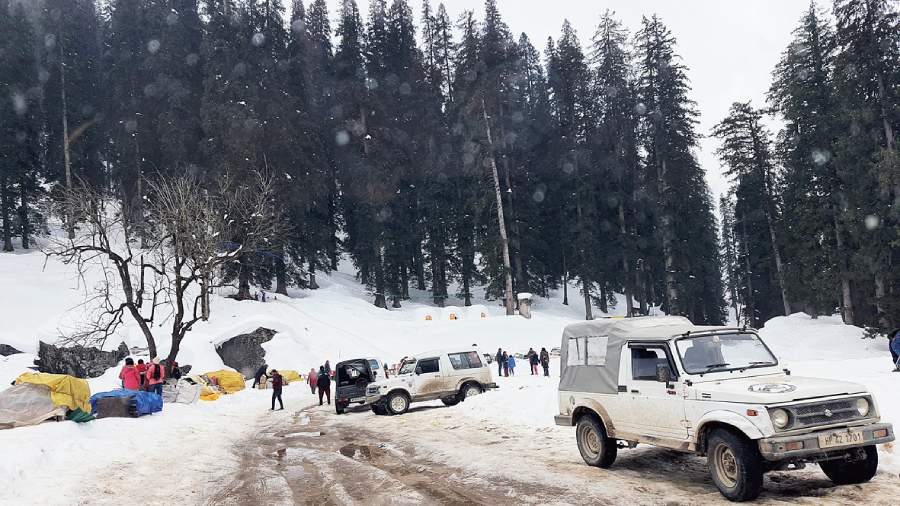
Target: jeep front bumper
564, 420
807, 445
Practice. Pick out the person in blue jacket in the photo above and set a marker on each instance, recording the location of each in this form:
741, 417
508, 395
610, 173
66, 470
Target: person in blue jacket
895, 349
512, 365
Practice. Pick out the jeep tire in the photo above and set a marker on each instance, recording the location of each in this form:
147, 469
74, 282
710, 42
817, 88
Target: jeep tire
453, 400
596, 448
470, 389
379, 409
735, 465
339, 408
848, 472
397, 403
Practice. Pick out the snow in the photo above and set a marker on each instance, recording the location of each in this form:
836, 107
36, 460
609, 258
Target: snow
59, 463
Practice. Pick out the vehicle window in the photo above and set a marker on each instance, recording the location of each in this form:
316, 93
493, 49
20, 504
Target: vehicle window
645, 360
465, 360
428, 365
408, 367
724, 352
350, 373
588, 350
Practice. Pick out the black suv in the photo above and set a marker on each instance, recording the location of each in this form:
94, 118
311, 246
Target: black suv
352, 377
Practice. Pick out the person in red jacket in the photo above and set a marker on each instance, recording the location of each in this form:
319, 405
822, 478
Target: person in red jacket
142, 371
156, 375
131, 378
277, 383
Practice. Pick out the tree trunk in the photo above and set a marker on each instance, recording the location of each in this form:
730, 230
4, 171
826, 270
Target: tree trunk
467, 295
280, 275
67, 160
846, 293
750, 318
243, 282
641, 288
673, 303
204, 296
565, 282
588, 309
881, 314
23, 213
380, 300
504, 240
420, 271
629, 302
5, 205
313, 284
604, 307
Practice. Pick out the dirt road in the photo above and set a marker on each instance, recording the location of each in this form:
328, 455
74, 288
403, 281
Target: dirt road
432, 456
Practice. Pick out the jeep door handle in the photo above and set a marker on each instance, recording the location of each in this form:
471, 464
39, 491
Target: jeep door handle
635, 391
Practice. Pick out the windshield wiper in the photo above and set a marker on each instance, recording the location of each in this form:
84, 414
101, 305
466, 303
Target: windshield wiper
767, 362
716, 366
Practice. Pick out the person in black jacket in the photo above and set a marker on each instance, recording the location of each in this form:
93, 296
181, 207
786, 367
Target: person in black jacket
500, 361
324, 385
277, 383
533, 361
545, 361
259, 374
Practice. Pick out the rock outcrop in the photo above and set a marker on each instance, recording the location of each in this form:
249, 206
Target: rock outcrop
244, 352
7, 350
78, 361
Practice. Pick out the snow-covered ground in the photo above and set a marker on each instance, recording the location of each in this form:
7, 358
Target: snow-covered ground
191, 446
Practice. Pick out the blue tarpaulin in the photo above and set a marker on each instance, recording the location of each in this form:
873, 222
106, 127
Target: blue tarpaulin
146, 402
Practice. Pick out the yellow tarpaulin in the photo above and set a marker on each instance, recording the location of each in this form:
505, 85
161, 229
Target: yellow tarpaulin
65, 390
229, 381
290, 376
209, 394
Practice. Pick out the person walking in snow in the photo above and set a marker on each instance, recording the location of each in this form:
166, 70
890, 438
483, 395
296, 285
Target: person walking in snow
328, 369
512, 365
504, 359
895, 349
533, 360
312, 379
277, 383
260, 372
324, 385
545, 361
499, 359
156, 375
131, 378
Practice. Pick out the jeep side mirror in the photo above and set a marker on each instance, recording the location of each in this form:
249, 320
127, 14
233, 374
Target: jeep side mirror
418, 371
663, 373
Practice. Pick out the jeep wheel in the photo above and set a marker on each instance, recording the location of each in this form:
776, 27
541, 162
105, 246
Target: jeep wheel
339, 408
847, 472
397, 403
471, 389
379, 409
596, 449
735, 465
453, 400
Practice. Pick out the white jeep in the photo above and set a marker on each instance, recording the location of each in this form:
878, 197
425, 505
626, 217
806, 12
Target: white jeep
450, 376
712, 391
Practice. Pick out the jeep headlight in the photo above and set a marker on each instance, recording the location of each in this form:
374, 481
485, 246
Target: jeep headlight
862, 406
780, 418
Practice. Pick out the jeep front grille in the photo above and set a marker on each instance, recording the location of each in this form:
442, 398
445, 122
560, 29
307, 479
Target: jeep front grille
825, 413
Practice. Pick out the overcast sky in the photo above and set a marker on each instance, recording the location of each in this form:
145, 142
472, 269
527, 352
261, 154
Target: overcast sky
729, 46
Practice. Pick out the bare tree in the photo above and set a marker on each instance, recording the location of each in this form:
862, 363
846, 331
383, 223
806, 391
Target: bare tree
192, 233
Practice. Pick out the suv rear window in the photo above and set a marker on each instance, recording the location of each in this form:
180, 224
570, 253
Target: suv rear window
465, 360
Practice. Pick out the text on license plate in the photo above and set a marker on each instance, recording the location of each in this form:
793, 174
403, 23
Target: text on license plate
844, 438
357, 399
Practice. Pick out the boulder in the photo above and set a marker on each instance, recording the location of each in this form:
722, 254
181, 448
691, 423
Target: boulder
78, 361
7, 350
244, 353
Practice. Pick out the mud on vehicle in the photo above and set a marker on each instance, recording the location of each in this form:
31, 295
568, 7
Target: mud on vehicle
712, 391
450, 376
351, 379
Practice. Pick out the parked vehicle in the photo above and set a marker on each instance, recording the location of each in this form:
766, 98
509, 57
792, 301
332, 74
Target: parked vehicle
450, 375
351, 379
712, 391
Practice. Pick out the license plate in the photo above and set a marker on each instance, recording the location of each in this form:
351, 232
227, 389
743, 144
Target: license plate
844, 438
357, 399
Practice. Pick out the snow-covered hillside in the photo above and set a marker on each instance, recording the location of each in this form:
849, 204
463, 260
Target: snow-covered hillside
335, 322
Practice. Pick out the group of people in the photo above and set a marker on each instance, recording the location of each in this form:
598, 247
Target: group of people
506, 362
321, 380
149, 377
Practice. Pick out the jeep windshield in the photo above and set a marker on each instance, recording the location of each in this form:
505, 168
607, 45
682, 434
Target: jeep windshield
408, 367
723, 352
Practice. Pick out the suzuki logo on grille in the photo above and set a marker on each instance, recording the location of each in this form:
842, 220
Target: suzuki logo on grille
828, 413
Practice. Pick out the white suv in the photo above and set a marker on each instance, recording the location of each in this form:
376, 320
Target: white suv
711, 391
450, 375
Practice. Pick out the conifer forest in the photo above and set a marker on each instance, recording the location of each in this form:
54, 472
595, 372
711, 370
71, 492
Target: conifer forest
451, 155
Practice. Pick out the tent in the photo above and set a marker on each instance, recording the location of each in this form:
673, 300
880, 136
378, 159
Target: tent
27, 404
144, 403
290, 376
228, 381
68, 391
208, 393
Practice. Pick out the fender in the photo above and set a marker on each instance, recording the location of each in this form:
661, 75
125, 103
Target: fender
728, 418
